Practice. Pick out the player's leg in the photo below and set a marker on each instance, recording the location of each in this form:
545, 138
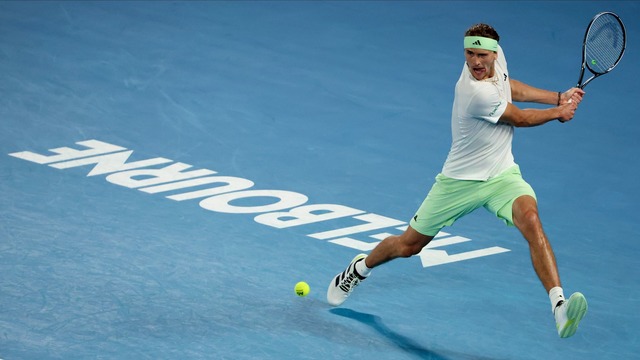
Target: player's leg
447, 201
513, 200
407, 244
527, 220
567, 313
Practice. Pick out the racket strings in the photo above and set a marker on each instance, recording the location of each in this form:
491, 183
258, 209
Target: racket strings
604, 44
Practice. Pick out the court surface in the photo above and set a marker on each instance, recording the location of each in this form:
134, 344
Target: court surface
170, 170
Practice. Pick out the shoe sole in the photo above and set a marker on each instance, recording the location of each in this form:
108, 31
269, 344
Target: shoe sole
338, 303
576, 310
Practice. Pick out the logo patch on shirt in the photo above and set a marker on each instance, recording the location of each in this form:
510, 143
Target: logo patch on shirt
495, 108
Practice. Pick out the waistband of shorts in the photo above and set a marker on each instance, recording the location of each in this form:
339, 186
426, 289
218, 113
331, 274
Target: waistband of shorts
514, 169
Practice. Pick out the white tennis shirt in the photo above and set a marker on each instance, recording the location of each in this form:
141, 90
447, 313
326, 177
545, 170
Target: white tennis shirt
481, 146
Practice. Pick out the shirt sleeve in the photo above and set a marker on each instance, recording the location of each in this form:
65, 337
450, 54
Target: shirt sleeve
487, 104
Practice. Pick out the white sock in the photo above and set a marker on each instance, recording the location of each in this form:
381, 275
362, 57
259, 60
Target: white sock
362, 268
555, 296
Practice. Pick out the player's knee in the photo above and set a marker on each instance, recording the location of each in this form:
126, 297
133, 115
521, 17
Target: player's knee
527, 218
528, 221
525, 212
410, 248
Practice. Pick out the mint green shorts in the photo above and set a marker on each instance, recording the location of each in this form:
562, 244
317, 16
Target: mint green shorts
450, 199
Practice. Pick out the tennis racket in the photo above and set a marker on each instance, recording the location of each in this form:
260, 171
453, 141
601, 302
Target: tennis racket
604, 43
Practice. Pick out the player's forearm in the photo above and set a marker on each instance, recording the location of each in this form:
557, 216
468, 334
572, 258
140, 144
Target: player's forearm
522, 92
535, 117
529, 117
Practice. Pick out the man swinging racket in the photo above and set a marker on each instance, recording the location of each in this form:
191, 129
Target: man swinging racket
480, 172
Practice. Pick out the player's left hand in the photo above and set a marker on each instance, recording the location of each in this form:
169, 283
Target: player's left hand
573, 95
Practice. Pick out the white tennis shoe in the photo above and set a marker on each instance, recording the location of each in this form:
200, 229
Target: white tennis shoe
344, 283
569, 313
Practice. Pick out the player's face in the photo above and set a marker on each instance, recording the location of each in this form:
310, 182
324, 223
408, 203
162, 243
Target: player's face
480, 62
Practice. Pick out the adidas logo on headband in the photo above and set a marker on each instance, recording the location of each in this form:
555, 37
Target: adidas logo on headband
480, 42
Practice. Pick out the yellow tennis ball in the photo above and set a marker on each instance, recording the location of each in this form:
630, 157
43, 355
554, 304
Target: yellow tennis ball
302, 289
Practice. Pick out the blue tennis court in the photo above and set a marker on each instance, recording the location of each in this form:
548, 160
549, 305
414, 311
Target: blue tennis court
170, 170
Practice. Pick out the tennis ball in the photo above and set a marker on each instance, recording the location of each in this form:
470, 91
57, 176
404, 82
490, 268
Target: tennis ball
302, 289
594, 62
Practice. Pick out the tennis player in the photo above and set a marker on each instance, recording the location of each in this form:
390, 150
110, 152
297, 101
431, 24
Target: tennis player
480, 171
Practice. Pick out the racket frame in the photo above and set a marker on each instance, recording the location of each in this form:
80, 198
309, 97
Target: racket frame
581, 85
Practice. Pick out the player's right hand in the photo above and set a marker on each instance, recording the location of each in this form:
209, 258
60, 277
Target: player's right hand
567, 111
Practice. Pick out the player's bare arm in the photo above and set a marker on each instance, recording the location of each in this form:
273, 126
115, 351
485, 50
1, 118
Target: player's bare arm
533, 117
522, 92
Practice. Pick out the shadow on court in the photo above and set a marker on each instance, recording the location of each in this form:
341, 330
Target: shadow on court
405, 343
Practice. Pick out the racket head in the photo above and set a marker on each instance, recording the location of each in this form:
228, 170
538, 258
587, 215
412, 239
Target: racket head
604, 43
